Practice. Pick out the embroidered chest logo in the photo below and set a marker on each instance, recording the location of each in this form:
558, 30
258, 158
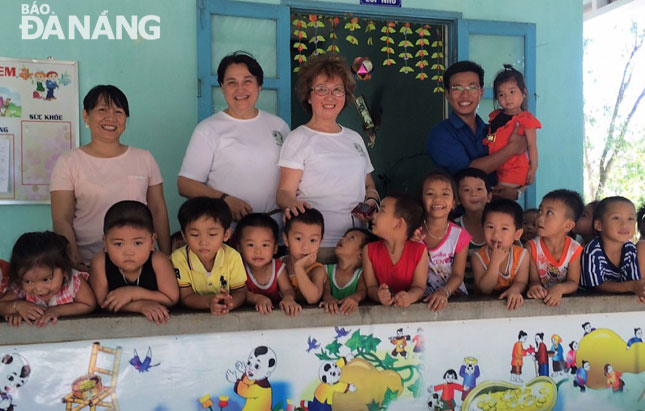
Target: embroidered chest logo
278, 137
359, 149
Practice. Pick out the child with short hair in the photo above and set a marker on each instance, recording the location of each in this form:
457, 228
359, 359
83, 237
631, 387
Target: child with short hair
43, 286
345, 287
640, 246
446, 242
609, 261
554, 269
130, 275
529, 225
210, 274
266, 283
395, 268
303, 234
584, 225
473, 193
501, 266
176, 241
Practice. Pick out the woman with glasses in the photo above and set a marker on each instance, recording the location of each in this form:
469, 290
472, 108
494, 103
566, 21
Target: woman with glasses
233, 154
323, 164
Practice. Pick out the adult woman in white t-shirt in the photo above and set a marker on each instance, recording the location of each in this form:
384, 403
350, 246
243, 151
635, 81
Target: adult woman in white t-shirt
88, 180
323, 164
234, 153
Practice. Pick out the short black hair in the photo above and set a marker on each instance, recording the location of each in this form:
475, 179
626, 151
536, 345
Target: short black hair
198, 207
571, 200
409, 209
474, 173
240, 57
450, 372
541, 335
640, 221
256, 220
531, 210
505, 206
111, 94
39, 249
368, 236
571, 344
311, 216
521, 334
463, 67
585, 324
128, 213
601, 209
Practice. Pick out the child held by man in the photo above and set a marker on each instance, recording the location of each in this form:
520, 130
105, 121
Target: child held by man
395, 268
554, 269
130, 275
501, 266
210, 274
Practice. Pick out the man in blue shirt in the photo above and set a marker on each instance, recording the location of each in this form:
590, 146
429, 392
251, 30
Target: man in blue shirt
456, 143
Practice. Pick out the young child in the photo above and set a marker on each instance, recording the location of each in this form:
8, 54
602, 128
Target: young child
509, 89
303, 235
266, 283
640, 246
446, 243
584, 225
609, 261
530, 225
395, 268
176, 241
43, 285
473, 193
210, 274
345, 287
501, 266
554, 269
130, 275
4, 276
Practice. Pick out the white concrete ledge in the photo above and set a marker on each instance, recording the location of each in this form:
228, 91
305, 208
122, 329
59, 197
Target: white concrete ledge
104, 326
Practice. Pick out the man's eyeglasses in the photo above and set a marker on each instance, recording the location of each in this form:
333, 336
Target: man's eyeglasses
473, 88
323, 91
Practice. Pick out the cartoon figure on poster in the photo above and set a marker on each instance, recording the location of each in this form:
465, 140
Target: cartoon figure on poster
587, 328
252, 380
541, 355
517, 357
613, 379
329, 374
557, 360
14, 373
469, 371
146, 364
637, 338
570, 361
400, 342
447, 391
51, 85
39, 78
582, 374
419, 341
10, 103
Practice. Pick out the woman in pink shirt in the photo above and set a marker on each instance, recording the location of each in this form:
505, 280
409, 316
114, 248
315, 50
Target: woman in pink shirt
88, 180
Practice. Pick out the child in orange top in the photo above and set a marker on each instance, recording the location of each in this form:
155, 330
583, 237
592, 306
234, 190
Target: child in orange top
554, 269
266, 282
303, 234
501, 266
43, 284
613, 379
395, 268
509, 89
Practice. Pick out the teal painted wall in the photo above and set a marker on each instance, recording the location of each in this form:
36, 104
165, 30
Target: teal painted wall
159, 78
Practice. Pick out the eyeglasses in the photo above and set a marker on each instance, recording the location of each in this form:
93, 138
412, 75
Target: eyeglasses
323, 91
472, 89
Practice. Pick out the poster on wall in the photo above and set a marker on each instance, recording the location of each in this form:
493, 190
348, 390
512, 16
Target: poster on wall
575, 362
38, 122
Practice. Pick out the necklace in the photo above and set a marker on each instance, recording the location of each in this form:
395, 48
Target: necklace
125, 280
425, 222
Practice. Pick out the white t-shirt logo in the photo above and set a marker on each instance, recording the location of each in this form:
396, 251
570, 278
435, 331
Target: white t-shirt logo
279, 138
359, 149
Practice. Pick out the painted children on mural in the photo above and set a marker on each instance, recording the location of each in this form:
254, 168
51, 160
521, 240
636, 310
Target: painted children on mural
210, 274
419, 341
609, 261
501, 266
587, 328
395, 268
509, 89
469, 371
570, 360
303, 234
330, 373
51, 85
39, 77
613, 379
637, 338
14, 373
446, 242
130, 275
447, 390
43, 285
640, 246
530, 225
554, 269
517, 356
345, 286
541, 355
400, 341
473, 193
251, 379
584, 226
267, 284
581, 376
557, 360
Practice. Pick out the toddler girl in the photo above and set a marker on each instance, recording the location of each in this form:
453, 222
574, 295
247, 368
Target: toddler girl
130, 275
446, 242
345, 287
640, 246
267, 283
609, 261
43, 284
509, 89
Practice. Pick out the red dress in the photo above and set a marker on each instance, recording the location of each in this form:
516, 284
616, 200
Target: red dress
515, 170
397, 276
